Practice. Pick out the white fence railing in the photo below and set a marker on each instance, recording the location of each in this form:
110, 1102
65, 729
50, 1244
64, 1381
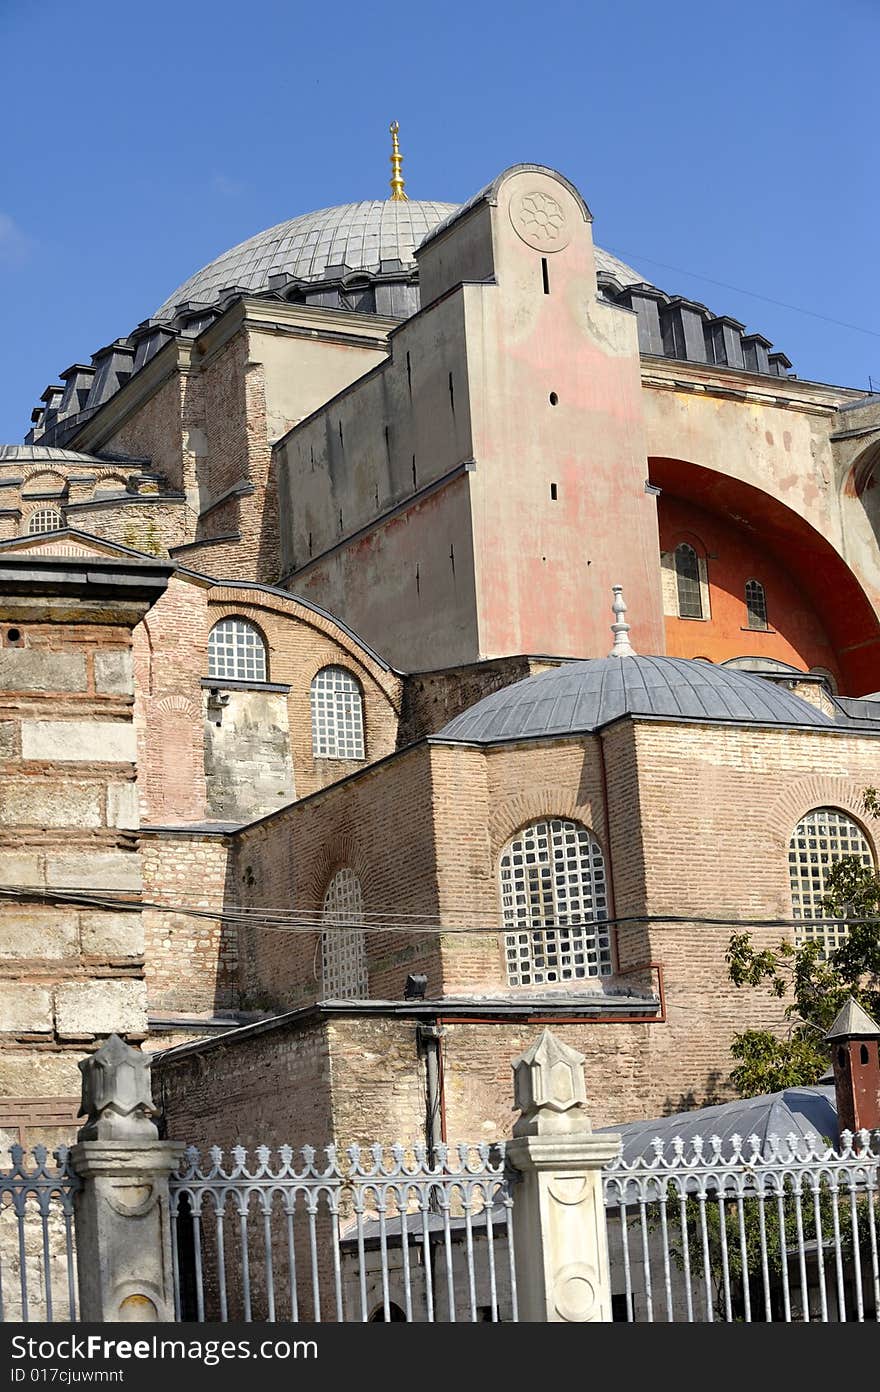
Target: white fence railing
371, 1234
779, 1229
767, 1230
37, 1271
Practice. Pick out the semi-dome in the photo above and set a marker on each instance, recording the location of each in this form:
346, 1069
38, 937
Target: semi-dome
349, 238
580, 697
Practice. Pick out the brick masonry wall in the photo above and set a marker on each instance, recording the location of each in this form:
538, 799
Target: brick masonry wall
675, 810
171, 660
369, 1076
275, 1086
431, 699
170, 656
720, 807
168, 429
191, 963
380, 827
154, 527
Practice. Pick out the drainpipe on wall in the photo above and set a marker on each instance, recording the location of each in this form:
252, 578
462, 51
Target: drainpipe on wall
429, 1037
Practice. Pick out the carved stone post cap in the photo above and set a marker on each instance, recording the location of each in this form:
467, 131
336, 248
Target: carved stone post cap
116, 1095
549, 1089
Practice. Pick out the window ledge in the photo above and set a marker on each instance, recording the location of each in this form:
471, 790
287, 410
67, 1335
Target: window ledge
223, 684
747, 628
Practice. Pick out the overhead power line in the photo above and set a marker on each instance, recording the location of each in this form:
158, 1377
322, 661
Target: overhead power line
738, 289
298, 921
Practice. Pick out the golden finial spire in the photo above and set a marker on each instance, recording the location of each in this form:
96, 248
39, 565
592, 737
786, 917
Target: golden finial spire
397, 193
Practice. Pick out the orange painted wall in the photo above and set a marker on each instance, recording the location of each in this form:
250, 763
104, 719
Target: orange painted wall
734, 555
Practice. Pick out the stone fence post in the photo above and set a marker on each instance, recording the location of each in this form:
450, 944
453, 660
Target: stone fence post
123, 1229
559, 1233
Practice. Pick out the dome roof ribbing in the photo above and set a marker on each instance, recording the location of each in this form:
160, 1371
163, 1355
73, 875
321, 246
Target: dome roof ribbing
49, 454
348, 238
581, 697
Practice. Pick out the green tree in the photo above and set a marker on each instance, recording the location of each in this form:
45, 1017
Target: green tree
814, 984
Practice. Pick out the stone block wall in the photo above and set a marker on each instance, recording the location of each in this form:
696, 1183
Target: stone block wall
248, 767
191, 962
327, 1076
71, 971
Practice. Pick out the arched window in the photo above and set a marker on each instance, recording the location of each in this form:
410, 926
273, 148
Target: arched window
236, 651
343, 953
756, 604
819, 840
337, 715
687, 576
554, 900
44, 520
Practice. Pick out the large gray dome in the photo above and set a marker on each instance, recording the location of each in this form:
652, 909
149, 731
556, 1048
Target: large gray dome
580, 697
351, 237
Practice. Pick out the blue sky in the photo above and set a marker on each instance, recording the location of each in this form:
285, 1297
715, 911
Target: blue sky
733, 144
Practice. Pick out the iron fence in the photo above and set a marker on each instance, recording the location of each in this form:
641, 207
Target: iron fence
37, 1263
366, 1234
779, 1229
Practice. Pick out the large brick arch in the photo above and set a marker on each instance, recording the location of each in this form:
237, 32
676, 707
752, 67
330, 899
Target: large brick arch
32, 476
539, 803
226, 599
817, 790
341, 852
811, 561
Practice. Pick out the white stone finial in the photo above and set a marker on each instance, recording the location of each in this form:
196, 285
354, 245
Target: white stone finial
549, 1089
620, 628
116, 1098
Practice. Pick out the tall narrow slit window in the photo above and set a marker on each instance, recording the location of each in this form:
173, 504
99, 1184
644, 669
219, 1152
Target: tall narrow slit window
687, 575
819, 841
337, 715
756, 604
236, 651
343, 951
554, 904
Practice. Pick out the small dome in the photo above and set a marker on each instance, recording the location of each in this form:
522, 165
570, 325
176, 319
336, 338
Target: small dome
47, 454
352, 236
580, 697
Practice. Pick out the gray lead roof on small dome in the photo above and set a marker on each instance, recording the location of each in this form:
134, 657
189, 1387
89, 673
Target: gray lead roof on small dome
581, 697
355, 236
47, 454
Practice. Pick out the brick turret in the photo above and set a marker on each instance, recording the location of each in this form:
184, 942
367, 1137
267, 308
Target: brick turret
855, 1055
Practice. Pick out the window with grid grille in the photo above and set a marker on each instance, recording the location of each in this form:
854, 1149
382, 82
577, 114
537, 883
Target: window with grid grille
343, 952
337, 715
687, 575
236, 651
554, 902
821, 839
44, 520
756, 604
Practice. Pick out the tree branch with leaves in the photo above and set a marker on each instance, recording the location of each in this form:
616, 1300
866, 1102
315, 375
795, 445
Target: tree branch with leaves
814, 984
